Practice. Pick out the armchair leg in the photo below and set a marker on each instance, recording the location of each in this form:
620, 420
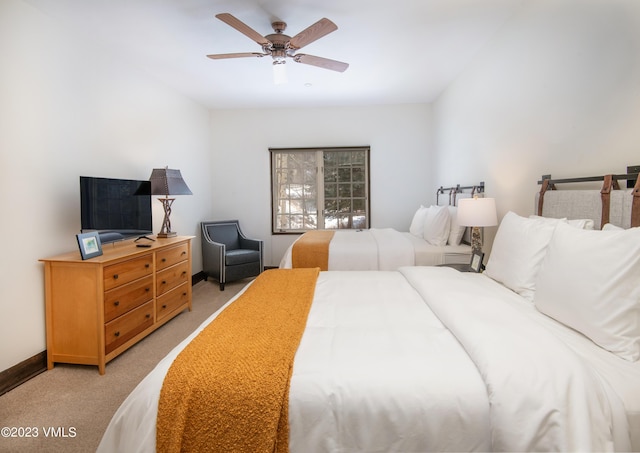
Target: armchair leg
221, 286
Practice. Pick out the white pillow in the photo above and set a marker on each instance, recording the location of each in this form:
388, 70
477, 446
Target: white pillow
417, 224
590, 281
518, 250
533, 216
585, 224
456, 231
611, 227
436, 225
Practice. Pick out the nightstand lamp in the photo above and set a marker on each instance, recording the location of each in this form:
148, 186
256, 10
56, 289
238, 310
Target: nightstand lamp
167, 182
475, 213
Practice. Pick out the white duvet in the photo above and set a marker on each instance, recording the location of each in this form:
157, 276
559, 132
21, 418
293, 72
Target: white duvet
424, 359
383, 249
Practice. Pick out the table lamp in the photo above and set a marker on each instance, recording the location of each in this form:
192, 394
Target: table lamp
475, 213
167, 182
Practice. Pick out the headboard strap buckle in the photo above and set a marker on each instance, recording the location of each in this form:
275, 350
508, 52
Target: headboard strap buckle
609, 184
545, 186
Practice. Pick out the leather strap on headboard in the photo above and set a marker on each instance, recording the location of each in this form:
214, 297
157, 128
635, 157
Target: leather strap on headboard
635, 206
605, 194
543, 189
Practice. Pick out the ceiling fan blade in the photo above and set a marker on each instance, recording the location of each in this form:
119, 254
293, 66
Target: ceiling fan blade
221, 56
321, 62
316, 31
243, 28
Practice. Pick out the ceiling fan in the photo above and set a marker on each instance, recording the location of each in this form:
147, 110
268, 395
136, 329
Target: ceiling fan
280, 46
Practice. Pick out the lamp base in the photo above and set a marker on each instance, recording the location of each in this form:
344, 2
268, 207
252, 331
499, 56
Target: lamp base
165, 231
476, 240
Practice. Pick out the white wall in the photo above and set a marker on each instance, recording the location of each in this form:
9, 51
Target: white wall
557, 92
68, 109
400, 160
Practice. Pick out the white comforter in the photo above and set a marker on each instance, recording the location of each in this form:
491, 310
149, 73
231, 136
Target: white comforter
424, 359
366, 250
383, 249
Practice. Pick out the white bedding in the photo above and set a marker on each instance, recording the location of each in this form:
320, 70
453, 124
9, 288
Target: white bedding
385, 249
431, 359
432, 255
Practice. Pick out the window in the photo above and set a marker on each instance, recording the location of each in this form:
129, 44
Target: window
319, 188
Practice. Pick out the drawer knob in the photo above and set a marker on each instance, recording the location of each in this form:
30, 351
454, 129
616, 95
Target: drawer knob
164, 306
184, 294
164, 282
117, 334
146, 265
147, 289
116, 303
115, 276
183, 273
183, 253
164, 259
148, 316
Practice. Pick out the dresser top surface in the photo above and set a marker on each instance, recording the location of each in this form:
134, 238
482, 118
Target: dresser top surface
122, 249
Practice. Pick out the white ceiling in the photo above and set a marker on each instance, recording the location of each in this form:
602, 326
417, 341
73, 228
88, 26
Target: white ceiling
400, 51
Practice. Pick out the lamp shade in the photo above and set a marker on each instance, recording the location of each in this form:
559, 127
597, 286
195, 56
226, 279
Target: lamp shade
165, 181
477, 212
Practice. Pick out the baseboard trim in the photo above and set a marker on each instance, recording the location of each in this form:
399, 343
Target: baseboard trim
197, 278
22, 372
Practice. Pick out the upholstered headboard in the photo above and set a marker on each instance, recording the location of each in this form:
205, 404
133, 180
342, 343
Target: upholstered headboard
609, 204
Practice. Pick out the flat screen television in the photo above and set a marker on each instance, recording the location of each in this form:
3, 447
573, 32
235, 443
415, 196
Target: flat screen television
117, 209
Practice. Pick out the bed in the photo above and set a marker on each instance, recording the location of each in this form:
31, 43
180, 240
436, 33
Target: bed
538, 353
434, 237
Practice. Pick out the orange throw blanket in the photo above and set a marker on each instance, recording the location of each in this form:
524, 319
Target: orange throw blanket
312, 250
228, 390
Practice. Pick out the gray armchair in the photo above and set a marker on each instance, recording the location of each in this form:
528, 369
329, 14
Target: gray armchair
227, 255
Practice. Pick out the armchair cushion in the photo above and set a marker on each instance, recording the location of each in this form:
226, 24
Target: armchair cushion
241, 256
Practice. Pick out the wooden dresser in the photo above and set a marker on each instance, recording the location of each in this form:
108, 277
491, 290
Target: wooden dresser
98, 308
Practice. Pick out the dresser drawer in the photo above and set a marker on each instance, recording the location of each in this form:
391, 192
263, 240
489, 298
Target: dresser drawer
172, 277
127, 326
170, 301
127, 271
171, 256
125, 297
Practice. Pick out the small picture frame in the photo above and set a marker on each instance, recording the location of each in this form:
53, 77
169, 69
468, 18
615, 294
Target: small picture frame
89, 244
476, 261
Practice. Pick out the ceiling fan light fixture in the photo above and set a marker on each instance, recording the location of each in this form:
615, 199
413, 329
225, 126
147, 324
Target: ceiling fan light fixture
281, 46
279, 72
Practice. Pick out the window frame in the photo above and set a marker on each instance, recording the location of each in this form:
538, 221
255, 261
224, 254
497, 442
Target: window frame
319, 181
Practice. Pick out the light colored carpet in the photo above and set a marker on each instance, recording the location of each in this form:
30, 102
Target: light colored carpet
76, 402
